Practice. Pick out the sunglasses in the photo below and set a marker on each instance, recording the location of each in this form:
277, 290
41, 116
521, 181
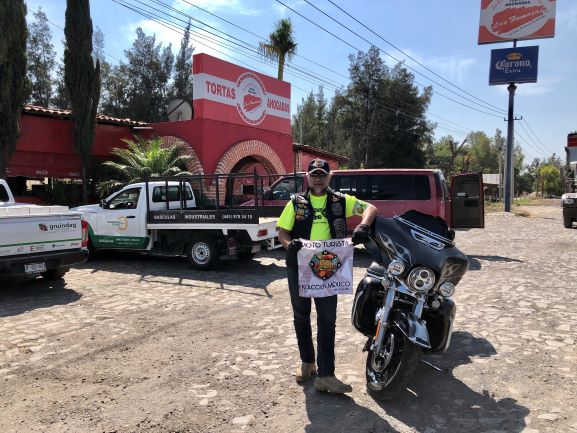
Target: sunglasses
318, 174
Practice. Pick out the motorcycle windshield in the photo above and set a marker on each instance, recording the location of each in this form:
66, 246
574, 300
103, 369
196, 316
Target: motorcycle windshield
418, 239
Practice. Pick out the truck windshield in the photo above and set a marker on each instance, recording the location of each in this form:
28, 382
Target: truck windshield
127, 199
284, 189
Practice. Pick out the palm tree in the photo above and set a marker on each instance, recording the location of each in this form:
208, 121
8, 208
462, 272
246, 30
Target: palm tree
280, 44
142, 159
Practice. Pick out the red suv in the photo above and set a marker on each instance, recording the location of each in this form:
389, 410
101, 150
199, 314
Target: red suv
395, 191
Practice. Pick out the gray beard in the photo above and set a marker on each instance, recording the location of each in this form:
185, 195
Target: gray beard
318, 191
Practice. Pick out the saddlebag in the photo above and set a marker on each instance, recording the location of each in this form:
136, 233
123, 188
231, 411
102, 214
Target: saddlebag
368, 298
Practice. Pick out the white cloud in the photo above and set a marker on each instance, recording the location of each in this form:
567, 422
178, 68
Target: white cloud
543, 86
453, 68
230, 6
282, 11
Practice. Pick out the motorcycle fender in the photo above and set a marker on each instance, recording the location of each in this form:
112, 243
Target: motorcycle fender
440, 324
412, 327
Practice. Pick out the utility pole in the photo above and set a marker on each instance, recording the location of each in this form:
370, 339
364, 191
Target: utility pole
509, 152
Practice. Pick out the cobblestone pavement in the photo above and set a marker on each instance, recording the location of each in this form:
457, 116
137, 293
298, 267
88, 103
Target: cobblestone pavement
131, 343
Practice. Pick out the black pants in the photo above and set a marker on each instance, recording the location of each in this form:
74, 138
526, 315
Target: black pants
326, 320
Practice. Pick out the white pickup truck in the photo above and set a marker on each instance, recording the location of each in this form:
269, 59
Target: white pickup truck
170, 223
39, 240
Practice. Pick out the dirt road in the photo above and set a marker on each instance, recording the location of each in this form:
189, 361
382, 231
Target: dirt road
141, 344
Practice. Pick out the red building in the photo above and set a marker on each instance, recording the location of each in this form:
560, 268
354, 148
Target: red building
241, 123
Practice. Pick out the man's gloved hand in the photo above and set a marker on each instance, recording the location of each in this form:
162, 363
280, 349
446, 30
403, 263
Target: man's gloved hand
294, 246
360, 234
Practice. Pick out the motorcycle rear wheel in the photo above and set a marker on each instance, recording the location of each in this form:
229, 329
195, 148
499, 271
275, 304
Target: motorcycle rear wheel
387, 376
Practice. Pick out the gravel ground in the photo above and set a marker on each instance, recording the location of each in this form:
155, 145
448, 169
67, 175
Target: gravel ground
140, 344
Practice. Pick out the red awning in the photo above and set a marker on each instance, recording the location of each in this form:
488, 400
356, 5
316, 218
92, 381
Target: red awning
56, 165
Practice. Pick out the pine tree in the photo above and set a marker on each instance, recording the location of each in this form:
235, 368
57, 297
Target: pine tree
182, 86
148, 73
41, 60
115, 81
14, 86
60, 99
82, 78
383, 115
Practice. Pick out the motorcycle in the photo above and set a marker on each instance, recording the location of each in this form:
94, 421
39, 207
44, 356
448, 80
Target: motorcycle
403, 304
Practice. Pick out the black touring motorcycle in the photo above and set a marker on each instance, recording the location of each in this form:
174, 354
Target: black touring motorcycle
404, 305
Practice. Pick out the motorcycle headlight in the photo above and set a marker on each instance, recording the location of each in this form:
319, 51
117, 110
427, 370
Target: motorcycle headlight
396, 267
447, 289
421, 279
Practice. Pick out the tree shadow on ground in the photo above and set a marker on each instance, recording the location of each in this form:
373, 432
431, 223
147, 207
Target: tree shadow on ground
19, 295
228, 275
475, 264
440, 402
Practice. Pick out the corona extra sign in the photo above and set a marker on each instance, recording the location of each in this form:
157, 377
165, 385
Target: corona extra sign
228, 93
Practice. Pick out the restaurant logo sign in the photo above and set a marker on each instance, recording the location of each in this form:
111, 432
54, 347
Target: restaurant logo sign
228, 93
508, 20
251, 98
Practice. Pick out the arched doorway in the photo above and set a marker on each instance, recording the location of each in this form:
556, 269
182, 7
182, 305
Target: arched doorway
246, 156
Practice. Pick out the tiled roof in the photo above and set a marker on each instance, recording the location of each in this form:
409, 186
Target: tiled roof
320, 152
65, 114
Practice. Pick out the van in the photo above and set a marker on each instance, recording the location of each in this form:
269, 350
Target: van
393, 192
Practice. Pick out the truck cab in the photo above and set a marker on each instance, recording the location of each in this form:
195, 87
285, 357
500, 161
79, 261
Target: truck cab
119, 221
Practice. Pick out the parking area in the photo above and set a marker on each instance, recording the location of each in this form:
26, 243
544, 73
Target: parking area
131, 343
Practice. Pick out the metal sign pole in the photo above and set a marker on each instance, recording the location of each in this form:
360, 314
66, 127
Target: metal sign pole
509, 154
510, 143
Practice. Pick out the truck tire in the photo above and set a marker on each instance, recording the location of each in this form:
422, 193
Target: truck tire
567, 221
203, 253
55, 274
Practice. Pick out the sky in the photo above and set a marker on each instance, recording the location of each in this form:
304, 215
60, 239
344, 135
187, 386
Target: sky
440, 35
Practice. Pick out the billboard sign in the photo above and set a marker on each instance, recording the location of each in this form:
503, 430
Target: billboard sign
228, 93
508, 20
514, 65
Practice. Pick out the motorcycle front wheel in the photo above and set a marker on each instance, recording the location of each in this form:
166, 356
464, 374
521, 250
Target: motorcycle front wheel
389, 373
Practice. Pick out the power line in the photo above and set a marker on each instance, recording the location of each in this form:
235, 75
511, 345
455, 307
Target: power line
261, 38
174, 26
410, 57
450, 129
370, 43
535, 135
170, 25
528, 135
538, 152
242, 44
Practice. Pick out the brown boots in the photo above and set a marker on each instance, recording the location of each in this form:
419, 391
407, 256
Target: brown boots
324, 384
331, 384
305, 371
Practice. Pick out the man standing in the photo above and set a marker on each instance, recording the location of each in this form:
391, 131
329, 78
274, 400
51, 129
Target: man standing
319, 214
